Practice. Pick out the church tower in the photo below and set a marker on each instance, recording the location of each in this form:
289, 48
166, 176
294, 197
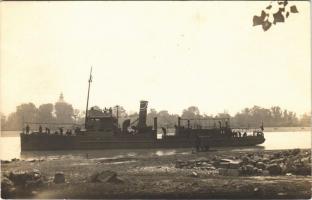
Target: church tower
61, 99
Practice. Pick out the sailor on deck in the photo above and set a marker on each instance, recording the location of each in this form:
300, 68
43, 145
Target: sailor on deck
27, 129
61, 130
164, 131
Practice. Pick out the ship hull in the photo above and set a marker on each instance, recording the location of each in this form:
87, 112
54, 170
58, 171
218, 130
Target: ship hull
60, 142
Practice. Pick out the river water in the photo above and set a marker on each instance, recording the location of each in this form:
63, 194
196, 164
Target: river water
10, 147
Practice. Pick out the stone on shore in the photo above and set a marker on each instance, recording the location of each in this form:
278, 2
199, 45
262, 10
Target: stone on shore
7, 188
294, 161
105, 176
233, 172
59, 177
31, 184
222, 171
235, 164
265, 173
274, 169
260, 165
20, 178
14, 159
295, 152
15, 182
5, 162
194, 174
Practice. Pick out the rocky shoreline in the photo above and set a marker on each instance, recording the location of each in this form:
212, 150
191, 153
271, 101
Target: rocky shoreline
211, 174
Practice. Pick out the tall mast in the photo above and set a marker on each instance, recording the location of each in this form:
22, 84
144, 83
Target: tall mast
90, 80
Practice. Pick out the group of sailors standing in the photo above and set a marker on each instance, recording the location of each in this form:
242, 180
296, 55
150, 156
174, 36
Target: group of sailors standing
239, 134
48, 131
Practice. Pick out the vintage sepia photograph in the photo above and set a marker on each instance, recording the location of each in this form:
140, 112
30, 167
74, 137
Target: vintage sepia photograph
155, 99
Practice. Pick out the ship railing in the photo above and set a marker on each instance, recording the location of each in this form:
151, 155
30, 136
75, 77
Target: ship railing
206, 122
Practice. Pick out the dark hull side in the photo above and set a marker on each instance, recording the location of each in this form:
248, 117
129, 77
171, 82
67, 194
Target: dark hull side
59, 142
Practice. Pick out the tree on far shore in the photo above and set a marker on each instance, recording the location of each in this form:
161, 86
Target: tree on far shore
3, 119
45, 113
306, 120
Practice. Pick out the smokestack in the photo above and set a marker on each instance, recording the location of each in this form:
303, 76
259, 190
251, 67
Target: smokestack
155, 124
142, 114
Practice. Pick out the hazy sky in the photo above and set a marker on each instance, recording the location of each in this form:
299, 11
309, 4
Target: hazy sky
173, 54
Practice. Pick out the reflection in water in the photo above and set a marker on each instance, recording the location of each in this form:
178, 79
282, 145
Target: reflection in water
253, 148
101, 155
10, 148
132, 154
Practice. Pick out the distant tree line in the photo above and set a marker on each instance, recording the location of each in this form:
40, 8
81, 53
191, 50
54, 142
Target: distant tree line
62, 112
248, 117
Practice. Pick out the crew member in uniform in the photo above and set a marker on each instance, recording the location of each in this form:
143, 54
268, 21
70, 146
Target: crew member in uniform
27, 128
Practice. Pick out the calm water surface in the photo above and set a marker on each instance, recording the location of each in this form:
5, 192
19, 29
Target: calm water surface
10, 147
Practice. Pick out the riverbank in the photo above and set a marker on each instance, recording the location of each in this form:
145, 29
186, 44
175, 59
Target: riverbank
286, 129
212, 174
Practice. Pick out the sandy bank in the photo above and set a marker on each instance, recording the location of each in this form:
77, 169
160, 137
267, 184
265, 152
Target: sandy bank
161, 177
